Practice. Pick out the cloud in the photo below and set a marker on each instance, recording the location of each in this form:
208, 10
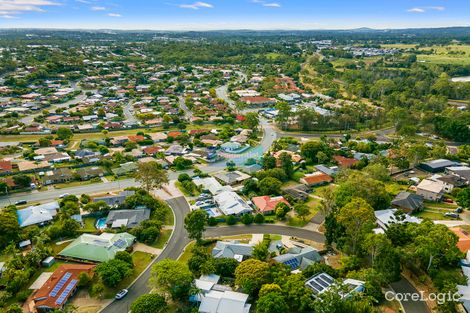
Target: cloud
424, 9
98, 8
84, 1
11, 8
267, 4
114, 15
196, 5
272, 5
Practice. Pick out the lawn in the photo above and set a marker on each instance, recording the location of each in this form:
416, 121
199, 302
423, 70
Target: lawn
162, 239
186, 255
89, 225
293, 220
141, 261
297, 175
434, 213
395, 188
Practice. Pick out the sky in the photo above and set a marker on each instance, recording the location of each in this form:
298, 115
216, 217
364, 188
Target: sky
233, 14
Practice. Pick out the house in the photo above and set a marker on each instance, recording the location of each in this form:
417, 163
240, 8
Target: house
5, 167
436, 166
60, 287
124, 169
152, 150
253, 168
215, 298
430, 190
258, 100
211, 184
390, 216
231, 147
231, 204
127, 218
87, 173
56, 157
408, 202
267, 204
461, 171
158, 137
315, 179
464, 239
37, 214
450, 181
57, 176
115, 200
97, 248
175, 150
330, 171
80, 154
294, 156
297, 257
233, 250
345, 162
30, 166
298, 192
232, 178
322, 282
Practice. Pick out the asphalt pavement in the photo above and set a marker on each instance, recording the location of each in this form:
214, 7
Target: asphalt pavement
173, 249
403, 286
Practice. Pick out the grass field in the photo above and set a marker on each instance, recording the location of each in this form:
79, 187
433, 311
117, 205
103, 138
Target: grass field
162, 239
442, 54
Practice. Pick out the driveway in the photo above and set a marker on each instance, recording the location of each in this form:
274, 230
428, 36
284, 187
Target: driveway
403, 286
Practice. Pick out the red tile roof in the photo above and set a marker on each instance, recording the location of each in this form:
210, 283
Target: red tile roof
345, 162
318, 178
464, 239
256, 100
6, 166
151, 150
198, 131
46, 297
267, 204
136, 138
174, 134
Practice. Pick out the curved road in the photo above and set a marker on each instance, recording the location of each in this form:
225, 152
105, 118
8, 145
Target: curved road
179, 240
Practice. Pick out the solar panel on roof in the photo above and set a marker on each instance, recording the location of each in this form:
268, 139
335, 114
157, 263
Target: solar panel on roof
120, 243
328, 279
60, 284
293, 263
66, 292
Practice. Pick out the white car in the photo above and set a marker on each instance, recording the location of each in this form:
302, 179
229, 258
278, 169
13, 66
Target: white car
121, 294
64, 195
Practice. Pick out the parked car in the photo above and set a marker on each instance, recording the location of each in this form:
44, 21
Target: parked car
458, 210
447, 200
21, 202
64, 195
451, 214
121, 294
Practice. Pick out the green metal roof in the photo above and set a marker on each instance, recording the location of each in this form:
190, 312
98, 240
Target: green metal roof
100, 248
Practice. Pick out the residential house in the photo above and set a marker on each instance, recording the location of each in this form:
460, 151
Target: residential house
97, 248
450, 181
30, 166
115, 200
233, 250
461, 171
215, 298
436, 166
315, 179
175, 150
231, 204
124, 169
57, 176
127, 218
430, 190
232, 178
267, 204
464, 239
408, 202
87, 173
345, 162
55, 293
211, 184
5, 167
322, 282
390, 216
299, 258
298, 192
330, 171
55, 157
37, 214
158, 137
258, 101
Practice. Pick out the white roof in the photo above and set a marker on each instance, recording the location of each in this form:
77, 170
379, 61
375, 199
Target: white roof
431, 186
119, 223
37, 214
211, 184
224, 302
230, 203
387, 217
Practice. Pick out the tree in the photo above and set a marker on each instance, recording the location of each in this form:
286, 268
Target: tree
358, 219
268, 288
298, 297
151, 175
173, 277
22, 181
124, 256
268, 162
252, 121
83, 279
195, 224
113, 271
271, 302
286, 164
64, 133
309, 150
231, 220
317, 268
10, 227
260, 251
247, 218
302, 210
149, 303
259, 218
44, 142
378, 172
251, 275
463, 197
270, 186
284, 113
281, 210
225, 267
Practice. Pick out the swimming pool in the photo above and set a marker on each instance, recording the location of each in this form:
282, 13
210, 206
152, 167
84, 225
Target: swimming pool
100, 223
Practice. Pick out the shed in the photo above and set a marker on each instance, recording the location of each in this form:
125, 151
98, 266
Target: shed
23, 244
47, 262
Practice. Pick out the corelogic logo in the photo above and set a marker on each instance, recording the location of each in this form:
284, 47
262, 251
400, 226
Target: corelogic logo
439, 298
